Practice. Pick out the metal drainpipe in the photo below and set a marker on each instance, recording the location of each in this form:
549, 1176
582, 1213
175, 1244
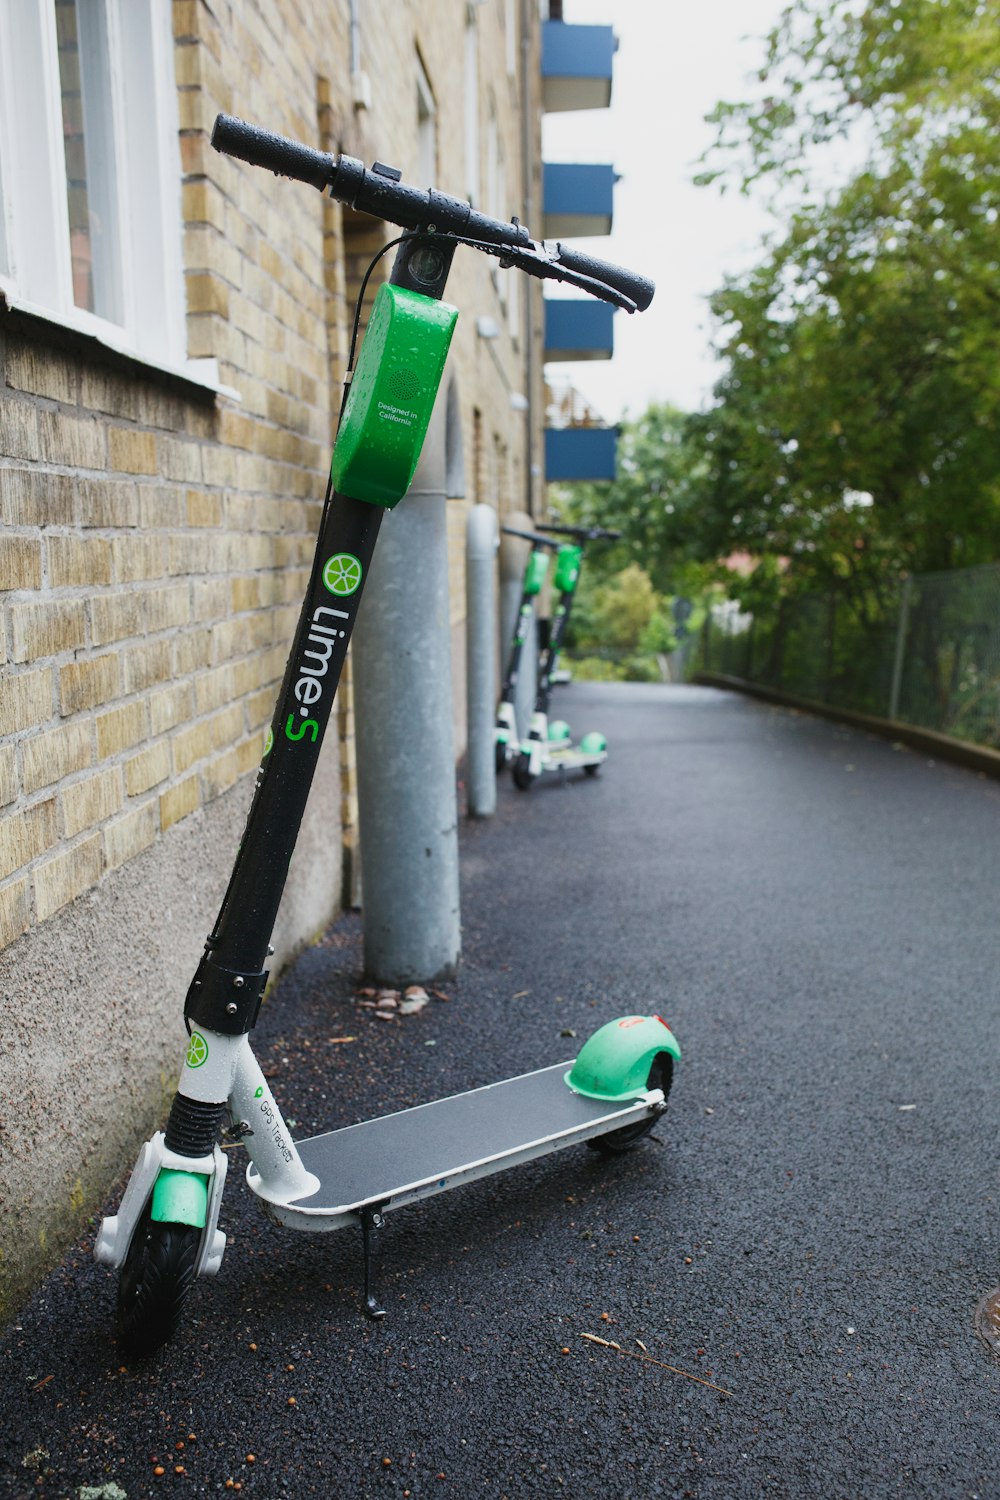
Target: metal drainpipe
355, 39
527, 172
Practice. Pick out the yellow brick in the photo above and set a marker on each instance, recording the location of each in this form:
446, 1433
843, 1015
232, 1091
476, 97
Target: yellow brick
46, 629
88, 684
35, 497
162, 507
26, 701
130, 835
203, 509
222, 773
207, 293
108, 502
201, 202
147, 769
179, 459
20, 562
15, 910
179, 802
115, 617
121, 729
26, 834
8, 774
144, 666
213, 689
47, 758
191, 651
80, 562
115, 395
211, 600
77, 442
42, 372
137, 558
190, 746
66, 876
132, 452
169, 707
19, 430
92, 801
164, 609
227, 727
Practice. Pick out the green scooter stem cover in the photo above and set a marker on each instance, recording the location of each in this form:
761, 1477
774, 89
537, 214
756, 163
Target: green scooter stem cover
568, 568
180, 1198
392, 395
534, 573
615, 1063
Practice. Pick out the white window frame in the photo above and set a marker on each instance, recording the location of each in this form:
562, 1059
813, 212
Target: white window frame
145, 127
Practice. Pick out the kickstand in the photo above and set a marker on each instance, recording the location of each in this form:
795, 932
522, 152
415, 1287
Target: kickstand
371, 1219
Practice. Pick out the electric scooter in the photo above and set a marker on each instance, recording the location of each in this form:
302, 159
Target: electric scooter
549, 746
165, 1233
534, 577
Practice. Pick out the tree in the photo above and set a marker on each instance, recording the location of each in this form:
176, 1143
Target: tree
857, 428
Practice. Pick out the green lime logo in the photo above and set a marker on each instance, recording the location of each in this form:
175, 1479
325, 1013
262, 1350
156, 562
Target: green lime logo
197, 1050
259, 1092
342, 574
268, 743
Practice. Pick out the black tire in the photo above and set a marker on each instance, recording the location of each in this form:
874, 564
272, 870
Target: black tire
158, 1273
500, 757
616, 1142
591, 770
521, 772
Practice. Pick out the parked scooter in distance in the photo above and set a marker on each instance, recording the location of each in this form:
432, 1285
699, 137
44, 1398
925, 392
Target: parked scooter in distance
549, 746
534, 577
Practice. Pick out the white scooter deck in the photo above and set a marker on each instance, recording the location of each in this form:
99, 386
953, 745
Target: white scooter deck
396, 1159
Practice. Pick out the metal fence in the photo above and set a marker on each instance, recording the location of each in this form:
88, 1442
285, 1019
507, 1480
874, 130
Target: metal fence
926, 652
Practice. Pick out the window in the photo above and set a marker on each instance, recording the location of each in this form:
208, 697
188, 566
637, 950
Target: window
90, 228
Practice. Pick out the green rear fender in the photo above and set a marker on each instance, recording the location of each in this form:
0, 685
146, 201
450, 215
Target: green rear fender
617, 1060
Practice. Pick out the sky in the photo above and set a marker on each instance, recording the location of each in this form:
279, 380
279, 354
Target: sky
674, 62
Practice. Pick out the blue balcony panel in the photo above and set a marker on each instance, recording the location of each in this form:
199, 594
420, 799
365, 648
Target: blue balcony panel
577, 199
576, 66
578, 328
580, 452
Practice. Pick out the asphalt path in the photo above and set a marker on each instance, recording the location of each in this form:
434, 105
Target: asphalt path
790, 1268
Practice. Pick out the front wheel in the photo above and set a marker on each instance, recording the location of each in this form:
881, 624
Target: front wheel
158, 1273
521, 772
618, 1141
499, 757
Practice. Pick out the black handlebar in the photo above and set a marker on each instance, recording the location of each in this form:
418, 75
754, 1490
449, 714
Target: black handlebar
262, 148
583, 533
378, 190
529, 536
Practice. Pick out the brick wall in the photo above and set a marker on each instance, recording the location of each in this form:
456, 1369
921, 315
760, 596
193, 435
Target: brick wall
156, 540
154, 543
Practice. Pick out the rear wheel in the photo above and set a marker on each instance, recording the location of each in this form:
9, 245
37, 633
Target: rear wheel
522, 772
158, 1273
618, 1141
499, 757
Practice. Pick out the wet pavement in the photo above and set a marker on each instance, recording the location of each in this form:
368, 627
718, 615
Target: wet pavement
790, 1268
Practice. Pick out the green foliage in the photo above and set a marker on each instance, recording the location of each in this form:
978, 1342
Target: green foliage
856, 432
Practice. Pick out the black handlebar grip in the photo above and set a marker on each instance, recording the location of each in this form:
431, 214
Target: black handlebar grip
262, 148
639, 288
